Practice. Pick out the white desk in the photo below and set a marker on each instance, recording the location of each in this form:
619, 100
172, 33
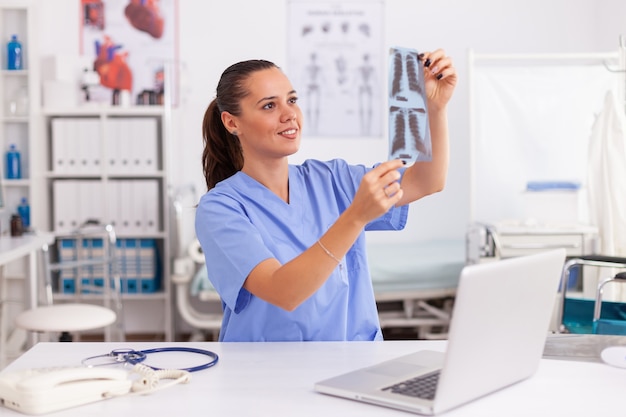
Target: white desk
276, 379
14, 248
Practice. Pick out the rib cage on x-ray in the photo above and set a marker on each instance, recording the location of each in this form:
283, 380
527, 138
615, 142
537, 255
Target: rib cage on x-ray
409, 135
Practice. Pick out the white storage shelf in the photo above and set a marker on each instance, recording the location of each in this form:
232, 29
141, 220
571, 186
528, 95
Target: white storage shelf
18, 89
107, 163
19, 125
110, 161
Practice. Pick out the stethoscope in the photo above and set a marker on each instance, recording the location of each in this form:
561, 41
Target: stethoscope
134, 357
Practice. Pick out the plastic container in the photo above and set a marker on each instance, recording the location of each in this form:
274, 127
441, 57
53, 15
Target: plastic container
24, 211
14, 163
15, 56
19, 103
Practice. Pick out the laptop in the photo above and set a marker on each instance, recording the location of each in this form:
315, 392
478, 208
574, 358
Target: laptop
496, 338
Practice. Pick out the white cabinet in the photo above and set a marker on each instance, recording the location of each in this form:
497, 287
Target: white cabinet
519, 240
511, 238
109, 164
19, 90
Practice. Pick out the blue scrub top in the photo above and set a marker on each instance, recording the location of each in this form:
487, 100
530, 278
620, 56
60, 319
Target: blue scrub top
240, 223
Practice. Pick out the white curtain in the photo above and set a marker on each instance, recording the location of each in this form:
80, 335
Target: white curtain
606, 179
532, 123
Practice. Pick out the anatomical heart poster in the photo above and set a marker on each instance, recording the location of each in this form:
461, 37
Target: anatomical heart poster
132, 44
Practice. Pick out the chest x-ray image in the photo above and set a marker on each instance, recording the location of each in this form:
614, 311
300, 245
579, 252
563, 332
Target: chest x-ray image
409, 134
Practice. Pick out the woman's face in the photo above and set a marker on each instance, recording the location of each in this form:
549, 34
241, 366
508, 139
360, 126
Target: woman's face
269, 124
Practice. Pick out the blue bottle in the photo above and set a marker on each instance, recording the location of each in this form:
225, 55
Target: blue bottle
15, 58
24, 211
14, 165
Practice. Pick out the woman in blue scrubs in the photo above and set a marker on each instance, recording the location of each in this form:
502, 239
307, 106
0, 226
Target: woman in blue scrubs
284, 244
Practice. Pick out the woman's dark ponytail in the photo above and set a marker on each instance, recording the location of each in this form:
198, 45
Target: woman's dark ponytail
222, 155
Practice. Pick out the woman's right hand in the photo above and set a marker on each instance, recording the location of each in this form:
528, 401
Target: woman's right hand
378, 192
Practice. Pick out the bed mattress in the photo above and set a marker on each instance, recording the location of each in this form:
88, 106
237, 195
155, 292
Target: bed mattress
416, 269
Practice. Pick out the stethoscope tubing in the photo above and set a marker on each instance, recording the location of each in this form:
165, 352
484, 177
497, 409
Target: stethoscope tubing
135, 357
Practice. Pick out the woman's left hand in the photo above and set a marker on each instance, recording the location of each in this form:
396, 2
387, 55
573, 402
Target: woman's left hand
440, 78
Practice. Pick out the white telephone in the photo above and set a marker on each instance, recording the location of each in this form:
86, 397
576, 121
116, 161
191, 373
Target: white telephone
39, 391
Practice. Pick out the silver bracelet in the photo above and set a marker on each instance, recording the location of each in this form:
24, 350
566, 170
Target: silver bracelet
329, 253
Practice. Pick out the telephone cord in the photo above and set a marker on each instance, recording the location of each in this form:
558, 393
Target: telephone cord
150, 379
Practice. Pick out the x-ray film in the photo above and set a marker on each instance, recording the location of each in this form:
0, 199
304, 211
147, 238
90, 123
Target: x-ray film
409, 133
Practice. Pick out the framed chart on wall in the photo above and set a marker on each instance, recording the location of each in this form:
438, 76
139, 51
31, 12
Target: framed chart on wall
130, 43
336, 62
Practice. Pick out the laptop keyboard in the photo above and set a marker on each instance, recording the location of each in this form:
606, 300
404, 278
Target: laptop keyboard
423, 386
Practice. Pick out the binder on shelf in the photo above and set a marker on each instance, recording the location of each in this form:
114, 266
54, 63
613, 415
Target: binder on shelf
111, 134
144, 145
80, 146
75, 201
119, 198
145, 205
71, 146
76, 146
128, 222
128, 276
84, 273
138, 265
59, 146
133, 206
127, 273
67, 277
65, 209
113, 131
85, 279
113, 204
117, 142
135, 135
95, 273
88, 146
90, 199
130, 259
67, 250
148, 266
122, 145
132, 145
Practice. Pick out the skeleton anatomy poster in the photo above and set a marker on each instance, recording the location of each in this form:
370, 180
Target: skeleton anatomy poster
336, 62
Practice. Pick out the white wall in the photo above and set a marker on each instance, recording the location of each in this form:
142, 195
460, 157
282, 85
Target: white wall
214, 34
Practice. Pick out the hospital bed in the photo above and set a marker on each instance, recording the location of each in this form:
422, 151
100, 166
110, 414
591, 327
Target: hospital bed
414, 285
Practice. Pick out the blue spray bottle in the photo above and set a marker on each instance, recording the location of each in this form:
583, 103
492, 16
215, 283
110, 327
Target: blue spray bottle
14, 165
24, 211
15, 57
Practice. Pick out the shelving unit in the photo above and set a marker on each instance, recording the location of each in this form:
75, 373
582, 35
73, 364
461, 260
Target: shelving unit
19, 125
19, 117
109, 163
29, 128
